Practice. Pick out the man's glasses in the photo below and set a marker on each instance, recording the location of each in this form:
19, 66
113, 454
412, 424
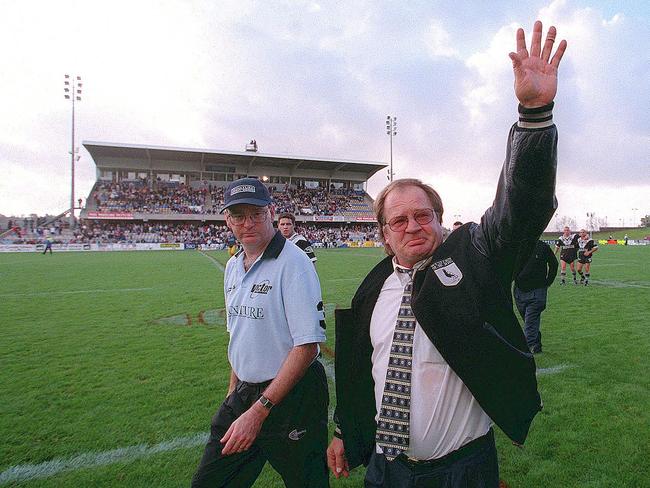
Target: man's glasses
401, 222
256, 218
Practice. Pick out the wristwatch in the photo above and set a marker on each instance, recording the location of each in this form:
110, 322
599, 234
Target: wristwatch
266, 403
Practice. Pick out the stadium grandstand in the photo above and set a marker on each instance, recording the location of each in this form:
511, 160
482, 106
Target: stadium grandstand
145, 195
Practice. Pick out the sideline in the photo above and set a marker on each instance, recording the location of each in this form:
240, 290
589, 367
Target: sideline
214, 261
24, 472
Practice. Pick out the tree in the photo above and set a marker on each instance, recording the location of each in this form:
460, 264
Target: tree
565, 221
645, 221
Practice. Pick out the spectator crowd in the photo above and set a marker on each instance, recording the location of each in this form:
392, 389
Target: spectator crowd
173, 197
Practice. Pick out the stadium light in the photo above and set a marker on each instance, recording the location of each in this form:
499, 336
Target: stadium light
391, 130
634, 223
72, 91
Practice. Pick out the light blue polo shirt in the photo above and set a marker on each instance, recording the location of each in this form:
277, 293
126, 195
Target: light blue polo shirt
270, 309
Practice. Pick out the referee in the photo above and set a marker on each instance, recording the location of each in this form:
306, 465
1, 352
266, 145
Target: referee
276, 408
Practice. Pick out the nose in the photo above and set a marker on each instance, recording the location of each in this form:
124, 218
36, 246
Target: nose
248, 221
412, 225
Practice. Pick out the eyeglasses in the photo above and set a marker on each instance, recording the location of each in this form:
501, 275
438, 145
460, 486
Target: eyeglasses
401, 222
256, 218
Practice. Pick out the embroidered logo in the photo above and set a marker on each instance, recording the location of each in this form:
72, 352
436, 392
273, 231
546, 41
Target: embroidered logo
447, 272
296, 435
241, 188
262, 288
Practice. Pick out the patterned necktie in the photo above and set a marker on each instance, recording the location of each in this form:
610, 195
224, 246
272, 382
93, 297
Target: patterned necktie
393, 423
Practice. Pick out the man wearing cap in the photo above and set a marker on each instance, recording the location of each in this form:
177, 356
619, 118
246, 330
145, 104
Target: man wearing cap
276, 407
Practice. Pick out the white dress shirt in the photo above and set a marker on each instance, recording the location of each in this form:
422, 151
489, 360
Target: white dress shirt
444, 414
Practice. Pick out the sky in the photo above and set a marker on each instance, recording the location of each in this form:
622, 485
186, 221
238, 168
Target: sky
318, 79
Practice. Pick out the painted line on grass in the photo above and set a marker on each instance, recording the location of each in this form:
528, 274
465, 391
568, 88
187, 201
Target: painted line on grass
621, 284
73, 292
24, 472
553, 369
215, 262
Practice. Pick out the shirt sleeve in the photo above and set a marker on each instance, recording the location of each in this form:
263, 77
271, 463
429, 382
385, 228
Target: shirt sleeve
303, 304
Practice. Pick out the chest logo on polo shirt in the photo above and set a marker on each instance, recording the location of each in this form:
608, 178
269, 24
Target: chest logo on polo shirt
262, 288
447, 272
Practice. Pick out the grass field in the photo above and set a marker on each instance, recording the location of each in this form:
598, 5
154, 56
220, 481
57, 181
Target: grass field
109, 378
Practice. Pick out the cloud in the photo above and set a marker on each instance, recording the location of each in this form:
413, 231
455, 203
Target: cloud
317, 79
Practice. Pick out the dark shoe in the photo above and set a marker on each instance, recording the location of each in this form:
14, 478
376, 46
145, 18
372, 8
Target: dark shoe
536, 349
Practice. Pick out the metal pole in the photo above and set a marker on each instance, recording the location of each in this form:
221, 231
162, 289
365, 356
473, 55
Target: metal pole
391, 156
72, 155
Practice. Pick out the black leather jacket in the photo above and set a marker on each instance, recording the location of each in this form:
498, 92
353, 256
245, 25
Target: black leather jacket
463, 303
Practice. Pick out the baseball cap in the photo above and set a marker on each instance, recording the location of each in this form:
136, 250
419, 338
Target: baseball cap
248, 191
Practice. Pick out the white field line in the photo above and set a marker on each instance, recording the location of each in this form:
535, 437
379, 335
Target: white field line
553, 369
215, 262
620, 284
24, 472
72, 292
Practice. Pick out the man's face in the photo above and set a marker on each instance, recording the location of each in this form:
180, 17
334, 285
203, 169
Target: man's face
583, 234
286, 227
416, 241
567, 231
251, 225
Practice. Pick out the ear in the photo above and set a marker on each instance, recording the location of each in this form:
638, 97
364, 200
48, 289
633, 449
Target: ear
272, 212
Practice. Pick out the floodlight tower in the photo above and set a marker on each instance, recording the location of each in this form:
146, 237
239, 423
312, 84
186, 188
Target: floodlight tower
391, 130
72, 91
634, 223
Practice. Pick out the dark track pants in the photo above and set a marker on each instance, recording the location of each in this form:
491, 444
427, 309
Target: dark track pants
475, 465
531, 304
293, 437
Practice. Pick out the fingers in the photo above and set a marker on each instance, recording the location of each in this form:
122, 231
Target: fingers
516, 61
521, 41
336, 460
555, 62
536, 43
548, 45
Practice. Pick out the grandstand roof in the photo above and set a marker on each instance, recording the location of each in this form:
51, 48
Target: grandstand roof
107, 154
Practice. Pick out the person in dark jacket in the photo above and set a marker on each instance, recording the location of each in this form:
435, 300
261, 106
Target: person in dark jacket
531, 286
431, 355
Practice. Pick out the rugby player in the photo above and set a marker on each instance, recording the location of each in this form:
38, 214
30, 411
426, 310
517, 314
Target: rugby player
287, 227
586, 248
567, 244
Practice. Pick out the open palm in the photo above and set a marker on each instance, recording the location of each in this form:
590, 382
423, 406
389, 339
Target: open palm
535, 75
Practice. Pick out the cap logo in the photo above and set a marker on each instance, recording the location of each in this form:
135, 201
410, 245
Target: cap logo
242, 188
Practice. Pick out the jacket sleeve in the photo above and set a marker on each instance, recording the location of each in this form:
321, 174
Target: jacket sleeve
552, 266
525, 198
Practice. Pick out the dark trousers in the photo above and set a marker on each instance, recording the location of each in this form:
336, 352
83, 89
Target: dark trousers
293, 437
531, 304
475, 465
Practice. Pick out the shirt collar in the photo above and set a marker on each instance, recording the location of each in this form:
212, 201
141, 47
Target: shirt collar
418, 266
275, 247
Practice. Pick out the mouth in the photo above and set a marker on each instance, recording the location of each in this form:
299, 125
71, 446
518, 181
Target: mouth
415, 242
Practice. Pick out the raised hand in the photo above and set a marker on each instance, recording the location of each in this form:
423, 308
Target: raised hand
535, 75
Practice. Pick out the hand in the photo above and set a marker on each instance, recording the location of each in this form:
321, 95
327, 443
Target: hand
243, 431
336, 458
535, 76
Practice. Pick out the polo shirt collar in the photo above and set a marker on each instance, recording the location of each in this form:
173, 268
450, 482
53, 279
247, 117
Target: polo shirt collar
275, 247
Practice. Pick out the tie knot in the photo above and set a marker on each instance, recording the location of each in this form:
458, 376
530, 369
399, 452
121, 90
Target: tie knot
408, 272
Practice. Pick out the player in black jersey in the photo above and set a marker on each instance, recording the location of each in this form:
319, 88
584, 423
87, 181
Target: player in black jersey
287, 227
586, 248
567, 244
